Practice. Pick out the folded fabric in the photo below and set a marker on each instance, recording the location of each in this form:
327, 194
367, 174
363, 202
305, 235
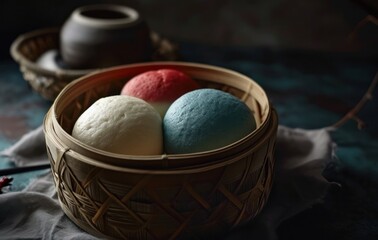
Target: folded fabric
35, 214
29, 150
301, 157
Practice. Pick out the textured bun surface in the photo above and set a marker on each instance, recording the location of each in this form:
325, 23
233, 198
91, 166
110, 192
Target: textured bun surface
205, 119
160, 88
121, 124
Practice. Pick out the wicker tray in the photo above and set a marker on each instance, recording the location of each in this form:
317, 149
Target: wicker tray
187, 196
28, 47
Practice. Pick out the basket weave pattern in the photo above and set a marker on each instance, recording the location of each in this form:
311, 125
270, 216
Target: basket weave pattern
168, 197
162, 206
27, 49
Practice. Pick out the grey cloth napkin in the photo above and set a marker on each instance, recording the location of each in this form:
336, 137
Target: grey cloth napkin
302, 155
29, 150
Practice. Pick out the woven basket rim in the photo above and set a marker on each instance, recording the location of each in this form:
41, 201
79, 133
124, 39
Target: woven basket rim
161, 161
189, 170
69, 88
22, 60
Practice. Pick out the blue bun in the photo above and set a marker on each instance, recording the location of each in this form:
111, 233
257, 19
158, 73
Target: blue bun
205, 119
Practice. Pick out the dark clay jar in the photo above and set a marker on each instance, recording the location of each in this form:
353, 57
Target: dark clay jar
100, 36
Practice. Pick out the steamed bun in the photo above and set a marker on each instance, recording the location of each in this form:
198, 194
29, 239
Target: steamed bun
121, 124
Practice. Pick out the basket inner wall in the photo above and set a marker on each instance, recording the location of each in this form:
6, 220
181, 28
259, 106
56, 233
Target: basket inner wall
32, 47
74, 103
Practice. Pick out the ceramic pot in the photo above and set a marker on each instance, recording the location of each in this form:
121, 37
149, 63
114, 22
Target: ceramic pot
98, 36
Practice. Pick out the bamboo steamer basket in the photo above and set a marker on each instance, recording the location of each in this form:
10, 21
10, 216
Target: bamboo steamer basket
28, 47
168, 196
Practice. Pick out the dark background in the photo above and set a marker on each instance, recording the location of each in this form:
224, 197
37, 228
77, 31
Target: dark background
298, 50
320, 25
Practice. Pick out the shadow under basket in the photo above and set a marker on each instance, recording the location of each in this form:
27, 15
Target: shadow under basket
183, 196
